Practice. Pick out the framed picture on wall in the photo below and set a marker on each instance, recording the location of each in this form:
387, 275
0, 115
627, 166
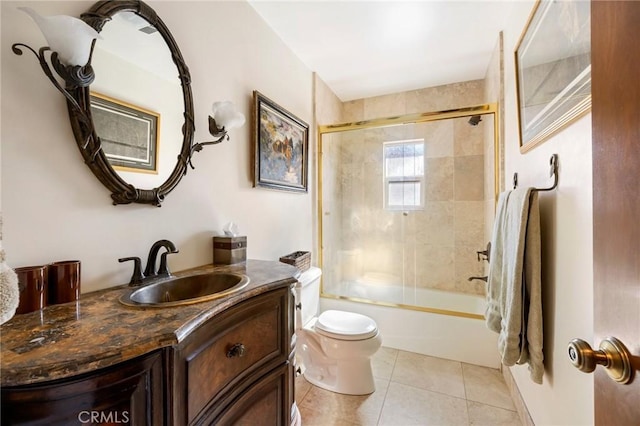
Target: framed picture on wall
553, 69
128, 134
281, 143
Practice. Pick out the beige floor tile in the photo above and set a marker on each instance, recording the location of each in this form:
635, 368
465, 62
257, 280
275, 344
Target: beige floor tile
302, 388
487, 386
407, 405
383, 362
486, 415
317, 416
321, 407
429, 373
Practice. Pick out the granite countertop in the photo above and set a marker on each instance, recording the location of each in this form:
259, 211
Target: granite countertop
74, 338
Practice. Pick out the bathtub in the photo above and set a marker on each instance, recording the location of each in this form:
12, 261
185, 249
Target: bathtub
445, 325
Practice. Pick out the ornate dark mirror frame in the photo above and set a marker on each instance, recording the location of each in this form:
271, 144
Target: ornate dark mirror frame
82, 123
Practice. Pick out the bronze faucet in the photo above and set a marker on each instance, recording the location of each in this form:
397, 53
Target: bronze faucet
150, 274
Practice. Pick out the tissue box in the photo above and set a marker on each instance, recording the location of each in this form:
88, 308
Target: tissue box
229, 250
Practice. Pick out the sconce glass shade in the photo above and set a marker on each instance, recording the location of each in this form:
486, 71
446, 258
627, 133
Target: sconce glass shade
70, 37
227, 116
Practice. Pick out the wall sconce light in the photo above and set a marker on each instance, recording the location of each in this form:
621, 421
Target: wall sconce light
71, 44
224, 117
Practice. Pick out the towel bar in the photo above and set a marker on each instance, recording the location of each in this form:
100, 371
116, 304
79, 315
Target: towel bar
553, 172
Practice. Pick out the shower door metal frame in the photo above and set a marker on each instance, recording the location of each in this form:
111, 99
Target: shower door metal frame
484, 109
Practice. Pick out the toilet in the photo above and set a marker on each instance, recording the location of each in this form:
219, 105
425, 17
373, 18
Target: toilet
334, 347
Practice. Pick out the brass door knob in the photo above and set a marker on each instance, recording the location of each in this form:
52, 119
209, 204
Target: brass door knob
613, 355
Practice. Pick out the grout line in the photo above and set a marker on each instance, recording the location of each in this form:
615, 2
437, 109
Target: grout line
384, 400
464, 384
432, 391
302, 398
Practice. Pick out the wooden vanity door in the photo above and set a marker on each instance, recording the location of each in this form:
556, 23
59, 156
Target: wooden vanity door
128, 393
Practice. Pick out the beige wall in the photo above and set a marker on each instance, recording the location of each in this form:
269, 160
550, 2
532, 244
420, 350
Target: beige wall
566, 396
55, 209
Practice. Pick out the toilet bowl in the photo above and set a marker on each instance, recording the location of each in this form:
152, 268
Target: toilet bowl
334, 347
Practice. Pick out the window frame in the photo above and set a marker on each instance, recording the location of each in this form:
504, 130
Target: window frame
388, 180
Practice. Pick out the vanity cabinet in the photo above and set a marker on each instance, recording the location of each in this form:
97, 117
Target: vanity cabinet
236, 368
234, 365
128, 393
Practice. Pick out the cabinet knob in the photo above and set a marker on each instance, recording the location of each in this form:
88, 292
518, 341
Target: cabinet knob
613, 355
236, 350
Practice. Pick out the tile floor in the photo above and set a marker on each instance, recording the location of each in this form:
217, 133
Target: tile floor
413, 389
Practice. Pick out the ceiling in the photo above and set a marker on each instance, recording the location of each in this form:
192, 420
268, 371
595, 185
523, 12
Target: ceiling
371, 48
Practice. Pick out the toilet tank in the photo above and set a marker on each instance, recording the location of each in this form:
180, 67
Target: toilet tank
308, 294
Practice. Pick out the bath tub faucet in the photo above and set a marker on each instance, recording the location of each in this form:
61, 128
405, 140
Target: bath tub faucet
150, 274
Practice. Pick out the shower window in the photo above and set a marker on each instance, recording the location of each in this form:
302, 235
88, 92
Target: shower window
404, 175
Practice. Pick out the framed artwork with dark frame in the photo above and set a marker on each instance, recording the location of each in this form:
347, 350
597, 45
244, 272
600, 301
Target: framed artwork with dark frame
553, 69
281, 143
129, 135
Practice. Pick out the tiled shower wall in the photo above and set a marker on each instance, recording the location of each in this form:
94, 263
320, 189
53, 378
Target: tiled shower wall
431, 248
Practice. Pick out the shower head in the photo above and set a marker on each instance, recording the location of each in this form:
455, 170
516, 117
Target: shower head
474, 120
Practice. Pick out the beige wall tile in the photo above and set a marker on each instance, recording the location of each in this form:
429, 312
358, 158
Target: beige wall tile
454, 168
469, 223
469, 140
445, 97
353, 111
439, 179
433, 225
466, 265
329, 108
434, 266
469, 178
385, 106
438, 137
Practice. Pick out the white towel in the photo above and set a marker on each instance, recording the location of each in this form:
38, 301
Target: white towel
493, 312
514, 308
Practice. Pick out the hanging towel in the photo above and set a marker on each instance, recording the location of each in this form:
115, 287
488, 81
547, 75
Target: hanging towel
493, 311
514, 308
532, 352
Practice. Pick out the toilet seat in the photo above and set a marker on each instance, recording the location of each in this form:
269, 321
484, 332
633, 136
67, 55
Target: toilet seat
342, 325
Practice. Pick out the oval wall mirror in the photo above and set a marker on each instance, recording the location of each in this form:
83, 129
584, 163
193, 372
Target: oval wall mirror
135, 125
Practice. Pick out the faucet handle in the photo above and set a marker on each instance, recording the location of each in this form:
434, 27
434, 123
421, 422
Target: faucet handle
164, 268
137, 276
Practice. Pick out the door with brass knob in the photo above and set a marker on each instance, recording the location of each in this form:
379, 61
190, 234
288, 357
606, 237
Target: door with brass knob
616, 229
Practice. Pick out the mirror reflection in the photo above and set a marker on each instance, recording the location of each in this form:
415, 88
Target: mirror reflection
136, 101
403, 210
